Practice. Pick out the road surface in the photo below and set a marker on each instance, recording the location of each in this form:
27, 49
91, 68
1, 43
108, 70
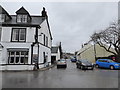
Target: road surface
71, 77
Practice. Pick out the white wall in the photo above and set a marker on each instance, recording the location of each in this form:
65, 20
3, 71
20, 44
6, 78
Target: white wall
47, 52
56, 54
6, 34
0, 56
30, 32
44, 29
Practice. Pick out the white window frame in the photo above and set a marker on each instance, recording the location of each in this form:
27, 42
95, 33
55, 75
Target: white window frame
20, 56
19, 18
20, 34
14, 38
10, 58
22, 18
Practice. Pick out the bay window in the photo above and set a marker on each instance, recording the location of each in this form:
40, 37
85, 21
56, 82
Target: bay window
17, 57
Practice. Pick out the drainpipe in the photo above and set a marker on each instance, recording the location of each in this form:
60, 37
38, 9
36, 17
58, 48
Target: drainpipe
33, 44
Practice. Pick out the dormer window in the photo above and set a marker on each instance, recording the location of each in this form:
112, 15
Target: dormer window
22, 18
2, 17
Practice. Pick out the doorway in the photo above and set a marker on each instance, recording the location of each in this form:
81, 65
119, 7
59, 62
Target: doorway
53, 59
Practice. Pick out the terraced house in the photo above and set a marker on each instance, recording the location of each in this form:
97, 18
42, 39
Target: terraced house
24, 40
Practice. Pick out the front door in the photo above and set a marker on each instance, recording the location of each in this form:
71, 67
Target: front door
53, 59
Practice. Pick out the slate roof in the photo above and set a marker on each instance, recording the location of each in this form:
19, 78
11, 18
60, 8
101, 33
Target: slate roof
3, 11
54, 49
35, 21
22, 10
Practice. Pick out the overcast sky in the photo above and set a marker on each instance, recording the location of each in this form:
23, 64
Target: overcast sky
72, 23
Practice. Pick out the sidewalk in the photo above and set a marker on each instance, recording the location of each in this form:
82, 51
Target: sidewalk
41, 69
46, 68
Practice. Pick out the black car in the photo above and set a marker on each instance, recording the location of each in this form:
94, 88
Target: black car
84, 64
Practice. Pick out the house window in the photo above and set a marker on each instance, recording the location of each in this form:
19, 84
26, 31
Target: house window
22, 18
44, 57
0, 33
46, 41
2, 17
19, 34
18, 57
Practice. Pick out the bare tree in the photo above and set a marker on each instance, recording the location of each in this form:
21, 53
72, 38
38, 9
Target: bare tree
110, 37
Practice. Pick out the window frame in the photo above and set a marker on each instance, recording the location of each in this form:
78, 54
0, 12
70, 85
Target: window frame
22, 18
2, 17
44, 58
46, 41
19, 29
19, 56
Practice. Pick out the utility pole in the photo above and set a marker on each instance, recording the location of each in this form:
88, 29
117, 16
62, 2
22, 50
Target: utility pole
95, 51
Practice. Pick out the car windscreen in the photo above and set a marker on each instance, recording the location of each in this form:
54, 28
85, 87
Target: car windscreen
62, 60
85, 62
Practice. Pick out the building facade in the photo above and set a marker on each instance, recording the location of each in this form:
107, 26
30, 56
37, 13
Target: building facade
55, 54
24, 40
92, 52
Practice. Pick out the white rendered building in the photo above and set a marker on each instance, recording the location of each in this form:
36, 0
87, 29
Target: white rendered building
24, 40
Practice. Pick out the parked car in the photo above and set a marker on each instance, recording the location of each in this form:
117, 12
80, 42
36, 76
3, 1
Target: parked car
107, 63
61, 63
73, 59
84, 64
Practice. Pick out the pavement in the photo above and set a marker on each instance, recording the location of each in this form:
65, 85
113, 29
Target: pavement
46, 68
40, 69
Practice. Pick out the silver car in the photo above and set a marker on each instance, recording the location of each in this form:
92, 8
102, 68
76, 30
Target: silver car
61, 63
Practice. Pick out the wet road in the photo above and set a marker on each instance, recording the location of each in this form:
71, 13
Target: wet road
71, 77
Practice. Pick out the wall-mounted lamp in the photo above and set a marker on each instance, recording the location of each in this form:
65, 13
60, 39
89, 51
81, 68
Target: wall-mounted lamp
40, 34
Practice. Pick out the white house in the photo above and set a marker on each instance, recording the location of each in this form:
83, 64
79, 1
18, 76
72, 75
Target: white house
55, 54
25, 40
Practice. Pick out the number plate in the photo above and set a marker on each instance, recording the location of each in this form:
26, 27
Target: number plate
89, 67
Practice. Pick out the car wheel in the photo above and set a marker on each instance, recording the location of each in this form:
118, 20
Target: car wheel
77, 66
57, 66
97, 66
82, 67
65, 66
111, 67
92, 68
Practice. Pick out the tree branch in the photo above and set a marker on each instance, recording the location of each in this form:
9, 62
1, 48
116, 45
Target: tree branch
106, 49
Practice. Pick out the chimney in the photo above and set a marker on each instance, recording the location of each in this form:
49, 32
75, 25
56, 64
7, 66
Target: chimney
44, 13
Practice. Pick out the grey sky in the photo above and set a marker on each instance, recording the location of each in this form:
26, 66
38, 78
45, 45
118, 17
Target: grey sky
72, 23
